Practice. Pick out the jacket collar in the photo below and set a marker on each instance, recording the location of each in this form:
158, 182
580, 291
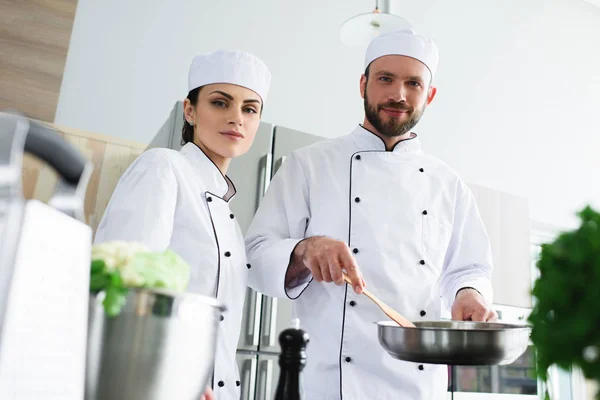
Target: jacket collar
210, 175
367, 140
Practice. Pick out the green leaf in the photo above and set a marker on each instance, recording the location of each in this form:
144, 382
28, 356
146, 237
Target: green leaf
112, 285
99, 282
115, 279
114, 301
98, 266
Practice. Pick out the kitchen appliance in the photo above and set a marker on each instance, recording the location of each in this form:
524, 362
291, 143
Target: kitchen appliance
44, 268
160, 346
454, 342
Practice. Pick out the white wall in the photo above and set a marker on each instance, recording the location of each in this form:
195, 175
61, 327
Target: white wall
518, 84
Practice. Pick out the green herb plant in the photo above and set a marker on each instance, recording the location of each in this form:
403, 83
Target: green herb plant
566, 317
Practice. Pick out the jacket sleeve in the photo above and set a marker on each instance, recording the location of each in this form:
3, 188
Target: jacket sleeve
278, 225
468, 261
142, 206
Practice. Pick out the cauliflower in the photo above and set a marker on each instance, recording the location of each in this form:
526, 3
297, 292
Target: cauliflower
119, 265
117, 254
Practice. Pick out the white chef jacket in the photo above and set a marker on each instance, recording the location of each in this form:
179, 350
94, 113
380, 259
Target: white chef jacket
417, 236
180, 201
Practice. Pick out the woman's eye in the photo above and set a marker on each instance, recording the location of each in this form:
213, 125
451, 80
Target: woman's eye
250, 110
219, 103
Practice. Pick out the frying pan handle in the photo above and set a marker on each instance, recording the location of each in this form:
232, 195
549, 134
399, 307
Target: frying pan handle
46, 144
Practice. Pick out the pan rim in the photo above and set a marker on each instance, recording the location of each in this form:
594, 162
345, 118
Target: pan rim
494, 326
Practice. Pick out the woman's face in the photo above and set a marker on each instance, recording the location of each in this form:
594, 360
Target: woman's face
226, 118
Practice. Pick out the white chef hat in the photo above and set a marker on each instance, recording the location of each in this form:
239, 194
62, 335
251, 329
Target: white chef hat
230, 66
404, 42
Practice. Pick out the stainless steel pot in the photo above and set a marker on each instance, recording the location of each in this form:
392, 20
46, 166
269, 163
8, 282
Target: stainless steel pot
455, 342
160, 347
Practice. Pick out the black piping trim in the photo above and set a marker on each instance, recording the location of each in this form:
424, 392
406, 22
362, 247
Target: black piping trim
346, 285
342, 338
218, 263
384, 145
299, 294
306, 287
217, 240
352, 158
230, 182
225, 177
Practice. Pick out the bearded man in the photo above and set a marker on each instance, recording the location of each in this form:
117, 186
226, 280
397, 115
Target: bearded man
372, 204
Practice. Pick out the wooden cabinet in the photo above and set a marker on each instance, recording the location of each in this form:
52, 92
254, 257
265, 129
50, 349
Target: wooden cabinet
506, 218
110, 156
34, 36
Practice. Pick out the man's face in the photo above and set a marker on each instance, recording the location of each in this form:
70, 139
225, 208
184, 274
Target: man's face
396, 93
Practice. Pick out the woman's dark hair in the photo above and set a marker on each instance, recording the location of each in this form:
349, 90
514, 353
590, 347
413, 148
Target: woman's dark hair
187, 132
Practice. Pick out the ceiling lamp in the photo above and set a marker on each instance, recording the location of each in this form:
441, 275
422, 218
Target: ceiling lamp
361, 29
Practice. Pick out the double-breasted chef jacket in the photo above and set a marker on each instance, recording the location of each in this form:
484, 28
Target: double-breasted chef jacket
415, 231
179, 200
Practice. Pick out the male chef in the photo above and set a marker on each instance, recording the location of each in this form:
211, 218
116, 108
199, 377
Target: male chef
374, 204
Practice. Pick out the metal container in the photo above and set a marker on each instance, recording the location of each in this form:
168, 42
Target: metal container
455, 342
160, 347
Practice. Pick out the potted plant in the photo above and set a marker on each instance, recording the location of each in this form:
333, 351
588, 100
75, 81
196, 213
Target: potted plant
566, 317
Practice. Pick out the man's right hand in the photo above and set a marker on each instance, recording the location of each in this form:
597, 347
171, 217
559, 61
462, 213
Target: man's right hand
325, 258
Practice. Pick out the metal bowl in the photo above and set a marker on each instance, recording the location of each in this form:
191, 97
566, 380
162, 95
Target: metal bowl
455, 342
161, 346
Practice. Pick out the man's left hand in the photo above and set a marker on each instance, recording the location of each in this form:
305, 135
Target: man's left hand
469, 305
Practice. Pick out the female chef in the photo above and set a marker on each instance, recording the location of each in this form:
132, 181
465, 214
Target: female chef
180, 199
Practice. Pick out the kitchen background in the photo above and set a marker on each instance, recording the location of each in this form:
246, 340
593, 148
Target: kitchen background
518, 85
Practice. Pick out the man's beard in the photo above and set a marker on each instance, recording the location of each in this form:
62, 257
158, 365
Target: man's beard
393, 127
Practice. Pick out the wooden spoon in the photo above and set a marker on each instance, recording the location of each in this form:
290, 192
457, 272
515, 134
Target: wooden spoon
390, 312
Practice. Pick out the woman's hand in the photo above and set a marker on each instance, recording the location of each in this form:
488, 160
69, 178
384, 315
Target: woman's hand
208, 395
